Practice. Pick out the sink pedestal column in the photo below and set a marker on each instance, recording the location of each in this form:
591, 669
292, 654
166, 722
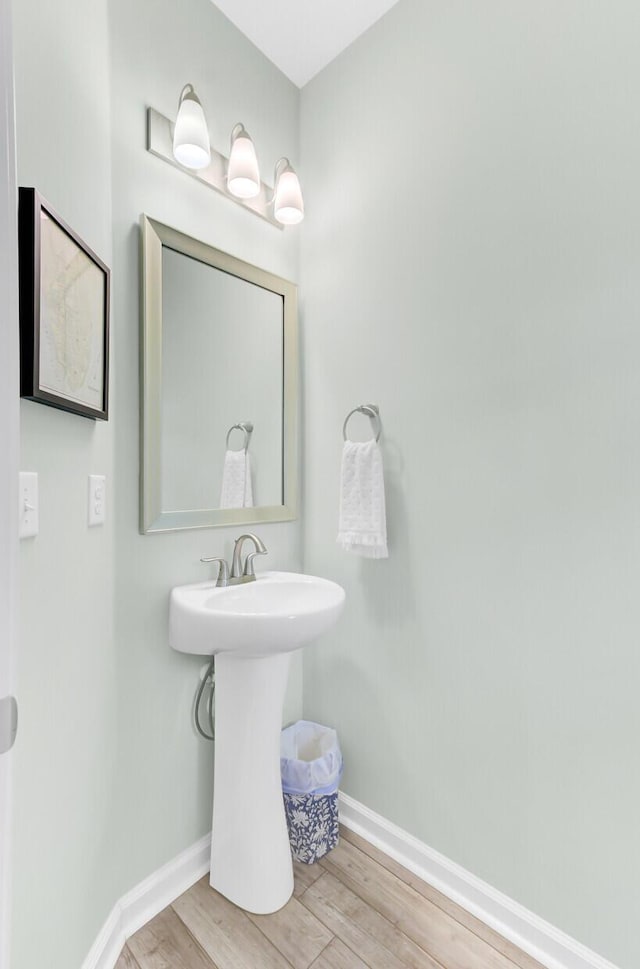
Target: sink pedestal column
250, 854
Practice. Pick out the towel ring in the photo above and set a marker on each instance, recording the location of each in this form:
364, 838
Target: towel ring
372, 411
247, 429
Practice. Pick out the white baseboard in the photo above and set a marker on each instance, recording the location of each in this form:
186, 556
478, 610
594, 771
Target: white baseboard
538, 938
144, 901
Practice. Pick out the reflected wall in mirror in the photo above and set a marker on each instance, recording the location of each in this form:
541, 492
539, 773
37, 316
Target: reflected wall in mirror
219, 387
222, 343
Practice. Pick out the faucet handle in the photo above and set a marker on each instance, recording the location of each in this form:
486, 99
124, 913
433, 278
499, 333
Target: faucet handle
248, 564
223, 571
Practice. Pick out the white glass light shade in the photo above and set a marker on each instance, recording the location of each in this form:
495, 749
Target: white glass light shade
191, 136
243, 174
288, 206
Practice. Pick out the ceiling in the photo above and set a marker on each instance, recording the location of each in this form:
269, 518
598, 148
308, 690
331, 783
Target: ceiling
302, 36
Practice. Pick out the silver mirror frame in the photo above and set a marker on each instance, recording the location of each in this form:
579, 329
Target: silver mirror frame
152, 517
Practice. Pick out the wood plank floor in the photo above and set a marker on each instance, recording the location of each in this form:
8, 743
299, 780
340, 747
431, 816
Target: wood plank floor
356, 909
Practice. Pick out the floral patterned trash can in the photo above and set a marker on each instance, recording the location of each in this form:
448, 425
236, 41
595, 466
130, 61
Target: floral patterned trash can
311, 768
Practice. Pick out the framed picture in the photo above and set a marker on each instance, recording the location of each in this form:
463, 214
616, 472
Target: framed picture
64, 313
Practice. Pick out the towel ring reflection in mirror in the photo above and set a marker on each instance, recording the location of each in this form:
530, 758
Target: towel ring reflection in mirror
372, 411
247, 429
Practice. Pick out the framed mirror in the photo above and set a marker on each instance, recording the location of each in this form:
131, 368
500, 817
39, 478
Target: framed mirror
219, 378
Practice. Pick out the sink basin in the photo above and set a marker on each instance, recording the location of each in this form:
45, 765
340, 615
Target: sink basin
252, 629
278, 612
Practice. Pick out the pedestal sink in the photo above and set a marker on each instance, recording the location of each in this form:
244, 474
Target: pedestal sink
253, 629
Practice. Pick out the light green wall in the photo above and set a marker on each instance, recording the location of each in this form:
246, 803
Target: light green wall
470, 262
64, 790
111, 780
165, 771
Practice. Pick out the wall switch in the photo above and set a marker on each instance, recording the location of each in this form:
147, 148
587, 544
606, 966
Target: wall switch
28, 504
97, 498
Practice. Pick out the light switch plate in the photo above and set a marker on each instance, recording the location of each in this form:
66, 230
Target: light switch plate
97, 499
28, 504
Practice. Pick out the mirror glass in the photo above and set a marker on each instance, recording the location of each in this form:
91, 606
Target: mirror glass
218, 393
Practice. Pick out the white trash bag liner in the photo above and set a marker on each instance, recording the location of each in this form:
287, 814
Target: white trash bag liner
310, 759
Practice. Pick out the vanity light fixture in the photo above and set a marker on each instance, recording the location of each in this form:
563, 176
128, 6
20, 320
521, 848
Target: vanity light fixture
243, 174
191, 136
288, 205
186, 145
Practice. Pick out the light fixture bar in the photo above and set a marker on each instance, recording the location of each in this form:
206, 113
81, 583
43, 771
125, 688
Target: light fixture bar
160, 143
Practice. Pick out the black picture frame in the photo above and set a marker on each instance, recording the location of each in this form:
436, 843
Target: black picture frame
64, 313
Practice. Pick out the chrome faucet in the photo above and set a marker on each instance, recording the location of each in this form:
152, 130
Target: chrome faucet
239, 573
246, 573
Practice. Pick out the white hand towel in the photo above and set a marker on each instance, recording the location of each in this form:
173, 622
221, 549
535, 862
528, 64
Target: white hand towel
363, 523
236, 480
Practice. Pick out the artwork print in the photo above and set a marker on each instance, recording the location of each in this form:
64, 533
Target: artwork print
64, 301
71, 337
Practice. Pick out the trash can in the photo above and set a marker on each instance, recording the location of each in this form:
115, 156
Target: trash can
311, 768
